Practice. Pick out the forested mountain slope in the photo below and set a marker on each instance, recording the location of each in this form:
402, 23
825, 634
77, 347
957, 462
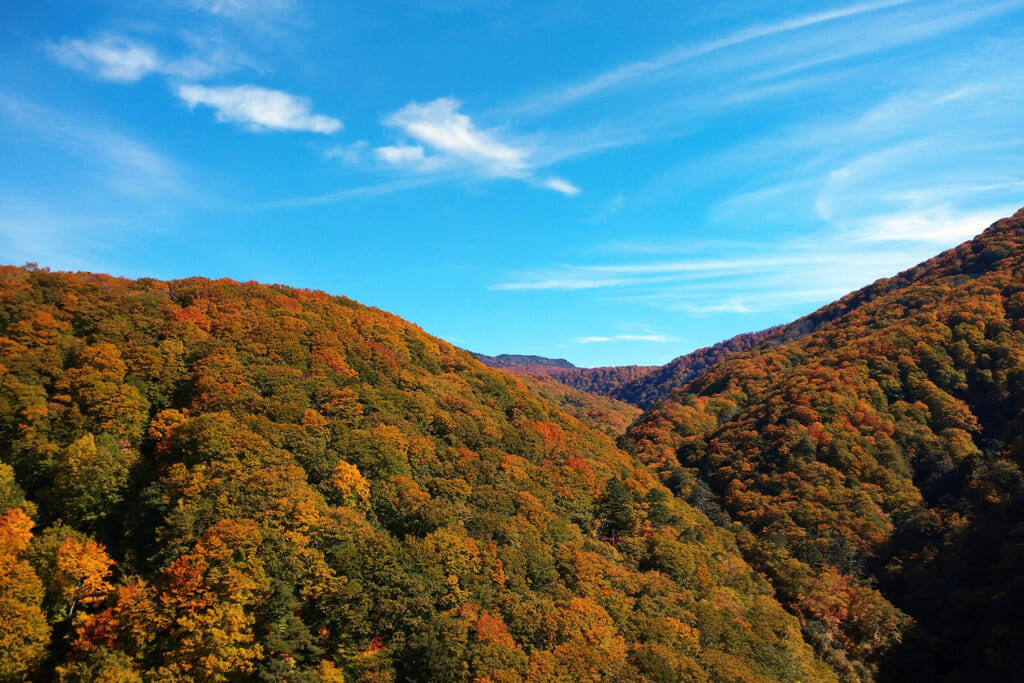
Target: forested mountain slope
603, 381
597, 412
872, 462
512, 361
638, 385
660, 383
207, 480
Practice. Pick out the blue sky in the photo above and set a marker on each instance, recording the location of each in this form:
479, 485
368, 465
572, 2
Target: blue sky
604, 182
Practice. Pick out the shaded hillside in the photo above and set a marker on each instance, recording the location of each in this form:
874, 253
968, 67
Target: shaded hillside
605, 381
874, 465
206, 480
659, 384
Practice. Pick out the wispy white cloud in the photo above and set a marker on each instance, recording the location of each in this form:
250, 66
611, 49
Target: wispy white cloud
940, 224
347, 194
124, 164
769, 276
403, 155
110, 57
117, 58
685, 87
243, 8
445, 139
455, 139
258, 108
635, 71
561, 185
654, 338
350, 154
633, 274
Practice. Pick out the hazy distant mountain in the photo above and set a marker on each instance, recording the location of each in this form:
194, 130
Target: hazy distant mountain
512, 361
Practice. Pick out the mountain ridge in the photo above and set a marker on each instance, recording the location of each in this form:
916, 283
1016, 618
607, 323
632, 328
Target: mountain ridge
865, 450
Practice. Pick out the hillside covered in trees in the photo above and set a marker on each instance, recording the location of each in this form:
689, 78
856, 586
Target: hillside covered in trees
638, 385
512, 361
604, 381
207, 480
869, 458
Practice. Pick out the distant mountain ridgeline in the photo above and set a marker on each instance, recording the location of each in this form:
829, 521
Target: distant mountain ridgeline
208, 480
649, 388
870, 456
513, 361
581, 392
638, 385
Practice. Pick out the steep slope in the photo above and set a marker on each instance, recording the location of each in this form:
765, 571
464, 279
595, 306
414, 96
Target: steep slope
604, 381
597, 412
206, 480
659, 384
872, 462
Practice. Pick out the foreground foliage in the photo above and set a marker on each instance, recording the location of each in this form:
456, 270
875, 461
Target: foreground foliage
206, 480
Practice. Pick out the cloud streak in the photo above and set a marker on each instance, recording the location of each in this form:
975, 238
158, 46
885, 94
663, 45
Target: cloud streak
453, 140
653, 338
444, 139
116, 58
111, 58
124, 164
243, 8
259, 109
772, 61
635, 71
795, 272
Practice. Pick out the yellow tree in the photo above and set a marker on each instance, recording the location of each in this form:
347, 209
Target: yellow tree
81, 576
23, 629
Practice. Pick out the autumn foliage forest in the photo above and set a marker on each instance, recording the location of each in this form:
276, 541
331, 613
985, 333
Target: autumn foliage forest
206, 480
869, 460
220, 481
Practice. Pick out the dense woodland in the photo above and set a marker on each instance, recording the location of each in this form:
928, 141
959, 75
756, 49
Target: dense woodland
207, 480
870, 464
594, 410
605, 381
512, 361
637, 385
